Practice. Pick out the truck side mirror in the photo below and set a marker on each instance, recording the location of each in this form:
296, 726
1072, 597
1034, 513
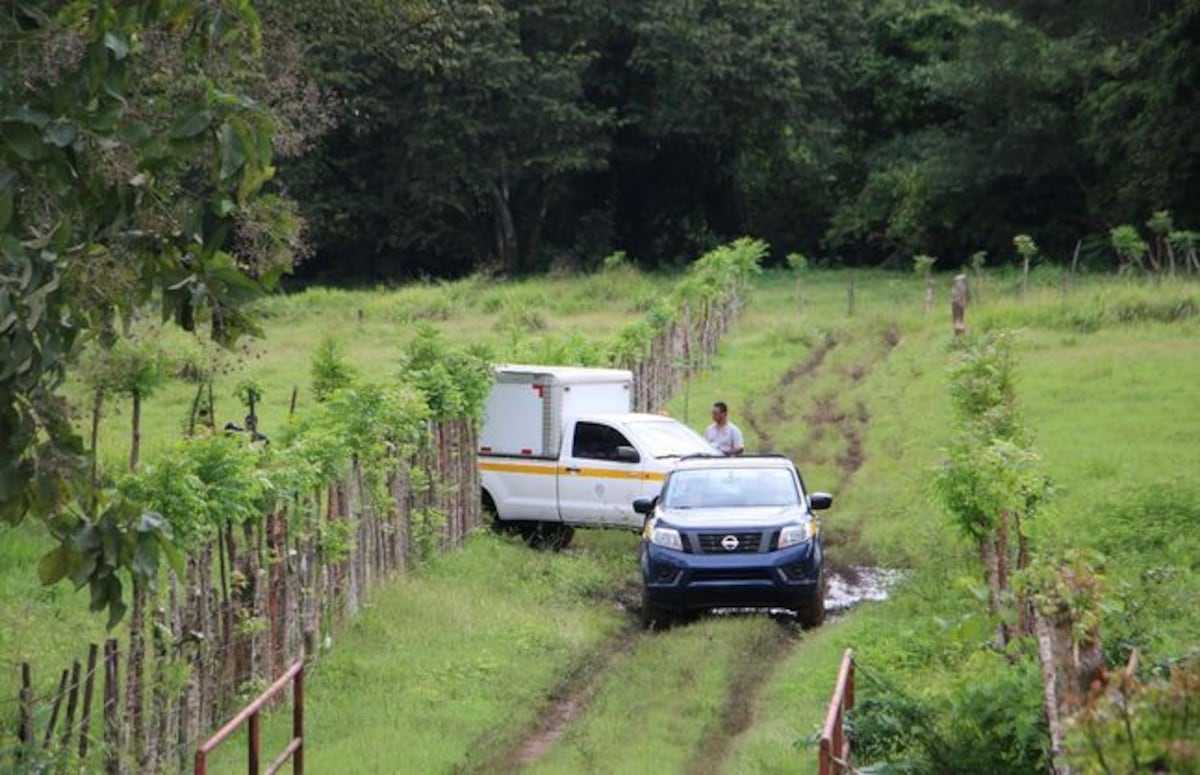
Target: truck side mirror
820, 500
644, 505
627, 454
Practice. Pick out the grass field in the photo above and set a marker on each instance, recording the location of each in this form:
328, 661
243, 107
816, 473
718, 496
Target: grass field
449, 669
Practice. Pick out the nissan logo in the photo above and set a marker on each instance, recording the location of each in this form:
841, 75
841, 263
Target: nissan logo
729, 543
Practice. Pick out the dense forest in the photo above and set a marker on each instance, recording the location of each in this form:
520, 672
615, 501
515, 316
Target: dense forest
530, 134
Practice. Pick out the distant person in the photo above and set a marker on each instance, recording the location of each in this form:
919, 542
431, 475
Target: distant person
724, 436
252, 429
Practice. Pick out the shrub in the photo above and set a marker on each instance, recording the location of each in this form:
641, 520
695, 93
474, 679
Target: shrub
331, 370
990, 722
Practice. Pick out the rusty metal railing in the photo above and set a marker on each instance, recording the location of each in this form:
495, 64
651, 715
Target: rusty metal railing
834, 752
252, 713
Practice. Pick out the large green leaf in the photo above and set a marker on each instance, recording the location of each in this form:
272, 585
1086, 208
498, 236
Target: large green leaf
60, 133
106, 120
135, 133
54, 565
115, 42
24, 139
232, 154
25, 115
191, 123
145, 557
8, 316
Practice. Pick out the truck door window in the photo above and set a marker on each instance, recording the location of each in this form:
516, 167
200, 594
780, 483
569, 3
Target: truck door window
597, 442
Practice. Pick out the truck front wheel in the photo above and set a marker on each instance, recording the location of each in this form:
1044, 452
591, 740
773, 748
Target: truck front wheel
491, 516
654, 617
547, 535
810, 612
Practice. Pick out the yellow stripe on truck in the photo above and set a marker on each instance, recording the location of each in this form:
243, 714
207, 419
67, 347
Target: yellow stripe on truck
554, 470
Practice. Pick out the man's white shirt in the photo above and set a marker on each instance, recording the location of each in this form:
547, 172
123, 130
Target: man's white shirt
724, 440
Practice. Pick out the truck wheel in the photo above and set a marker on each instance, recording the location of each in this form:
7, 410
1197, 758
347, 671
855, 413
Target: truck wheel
654, 617
810, 612
546, 535
562, 537
492, 517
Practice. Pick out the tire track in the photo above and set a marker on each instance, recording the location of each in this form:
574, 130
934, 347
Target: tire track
826, 413
777, 410
746, 682
567, 701
747, 679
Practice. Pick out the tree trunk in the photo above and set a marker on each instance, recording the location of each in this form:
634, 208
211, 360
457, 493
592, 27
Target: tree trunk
1001, 579
97, 411
506, 233
195, 408
212, 409
1052, 691
134, 674
135, 448
1024, 604
534, 243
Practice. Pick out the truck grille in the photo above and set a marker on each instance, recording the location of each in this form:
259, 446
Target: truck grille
731, 574
713, 543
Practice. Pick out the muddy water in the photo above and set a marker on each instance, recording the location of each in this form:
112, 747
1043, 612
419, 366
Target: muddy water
850, 585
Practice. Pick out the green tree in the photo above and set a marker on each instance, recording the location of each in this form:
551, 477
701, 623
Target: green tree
330, 369
1137, 125
1027, 249
136, 163
466, 124
966, 131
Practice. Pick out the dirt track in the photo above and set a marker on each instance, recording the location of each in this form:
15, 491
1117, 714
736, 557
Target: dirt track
849, 585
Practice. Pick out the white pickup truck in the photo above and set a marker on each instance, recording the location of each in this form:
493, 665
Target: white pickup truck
560, 448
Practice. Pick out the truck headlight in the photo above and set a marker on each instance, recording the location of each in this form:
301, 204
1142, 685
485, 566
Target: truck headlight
667, 537
796, 534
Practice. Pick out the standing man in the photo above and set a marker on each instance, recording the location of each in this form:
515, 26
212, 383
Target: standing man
724, 436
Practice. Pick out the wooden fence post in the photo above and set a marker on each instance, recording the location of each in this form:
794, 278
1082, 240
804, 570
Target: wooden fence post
112, 730
958, 304
58, 697
72, 704
25, 731
85, 717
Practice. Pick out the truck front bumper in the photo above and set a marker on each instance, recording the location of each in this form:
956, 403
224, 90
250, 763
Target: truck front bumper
681, 581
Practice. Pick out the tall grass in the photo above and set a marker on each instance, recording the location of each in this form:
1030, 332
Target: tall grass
448, 666
657, 705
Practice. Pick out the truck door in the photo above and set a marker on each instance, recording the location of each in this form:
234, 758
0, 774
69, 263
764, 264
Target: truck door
600, 474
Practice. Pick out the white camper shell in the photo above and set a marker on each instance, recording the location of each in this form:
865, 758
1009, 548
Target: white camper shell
525, 411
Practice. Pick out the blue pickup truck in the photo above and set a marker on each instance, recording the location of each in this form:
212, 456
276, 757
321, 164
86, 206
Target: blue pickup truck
732, 532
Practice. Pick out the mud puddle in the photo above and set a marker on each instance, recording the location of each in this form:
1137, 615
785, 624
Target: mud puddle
850, 585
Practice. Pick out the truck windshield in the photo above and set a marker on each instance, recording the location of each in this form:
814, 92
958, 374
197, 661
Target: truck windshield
730, 487
668, 438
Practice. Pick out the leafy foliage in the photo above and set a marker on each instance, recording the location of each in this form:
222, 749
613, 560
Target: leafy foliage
135, 163
1141, 727
990, 722
454, 383
330, 369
